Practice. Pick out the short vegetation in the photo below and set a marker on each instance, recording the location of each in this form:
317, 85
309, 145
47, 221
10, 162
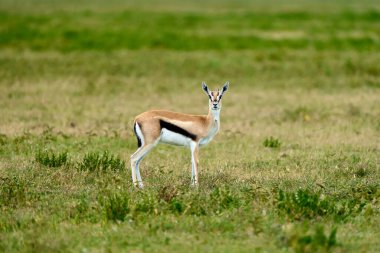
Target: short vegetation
101, 162
295, 167
51, 159
271, 142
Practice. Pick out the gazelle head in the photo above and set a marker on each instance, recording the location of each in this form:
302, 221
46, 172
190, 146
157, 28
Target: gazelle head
215, 97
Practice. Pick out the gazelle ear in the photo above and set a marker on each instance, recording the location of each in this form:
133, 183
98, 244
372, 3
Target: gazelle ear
225, 87
205, 88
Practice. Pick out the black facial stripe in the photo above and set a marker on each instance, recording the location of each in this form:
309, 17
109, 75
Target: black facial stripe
176, 129
138, 138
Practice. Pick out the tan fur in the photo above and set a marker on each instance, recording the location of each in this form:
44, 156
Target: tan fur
195, 124
214, 95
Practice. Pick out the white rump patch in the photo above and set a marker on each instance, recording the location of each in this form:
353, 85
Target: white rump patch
140, 134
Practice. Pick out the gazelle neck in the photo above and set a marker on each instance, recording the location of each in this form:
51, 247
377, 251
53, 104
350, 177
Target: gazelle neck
214, 115
213, 119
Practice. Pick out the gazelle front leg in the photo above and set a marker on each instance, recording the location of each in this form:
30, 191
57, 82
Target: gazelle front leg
194, 147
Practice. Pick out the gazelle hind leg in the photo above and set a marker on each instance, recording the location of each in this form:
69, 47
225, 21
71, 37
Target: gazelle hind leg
148, 135
133, 167
135, 162
139, 180
140, 142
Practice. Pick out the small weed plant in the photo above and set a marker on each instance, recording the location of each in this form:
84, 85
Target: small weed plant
101, 162
12, 192
302, 238
51, 159
303, 204
271, 142
306, 205
115, 206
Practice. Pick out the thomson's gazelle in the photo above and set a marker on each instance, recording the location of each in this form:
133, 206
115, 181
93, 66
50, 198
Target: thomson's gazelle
193, 131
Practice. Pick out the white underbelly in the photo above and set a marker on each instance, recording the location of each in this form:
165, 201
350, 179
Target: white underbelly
205, 141
173, 138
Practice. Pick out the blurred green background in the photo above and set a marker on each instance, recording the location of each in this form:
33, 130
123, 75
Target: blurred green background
78, 51
295, 167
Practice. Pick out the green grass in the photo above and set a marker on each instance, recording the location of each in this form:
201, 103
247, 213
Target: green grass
128, 29
295, 167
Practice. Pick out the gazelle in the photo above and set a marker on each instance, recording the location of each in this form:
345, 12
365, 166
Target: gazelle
193, 131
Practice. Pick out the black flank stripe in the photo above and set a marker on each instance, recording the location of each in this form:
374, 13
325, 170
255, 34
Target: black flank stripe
138, 138
176, 129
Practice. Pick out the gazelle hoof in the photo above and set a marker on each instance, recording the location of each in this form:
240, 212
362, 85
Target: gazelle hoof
194, 184
139, 185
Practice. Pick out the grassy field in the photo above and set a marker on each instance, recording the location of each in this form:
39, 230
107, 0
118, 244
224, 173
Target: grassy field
296, 165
